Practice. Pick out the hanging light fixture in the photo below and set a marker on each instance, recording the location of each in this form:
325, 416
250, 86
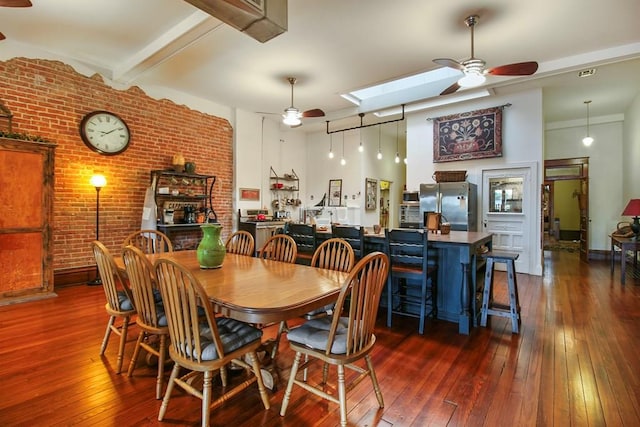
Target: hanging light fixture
405, 143
361, 147
343, 161
331, 146
379, 150
397, 150
587, 140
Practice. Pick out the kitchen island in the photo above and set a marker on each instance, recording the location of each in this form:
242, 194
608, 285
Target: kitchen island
458, 262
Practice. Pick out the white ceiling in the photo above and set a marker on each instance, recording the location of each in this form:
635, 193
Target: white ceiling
335, 46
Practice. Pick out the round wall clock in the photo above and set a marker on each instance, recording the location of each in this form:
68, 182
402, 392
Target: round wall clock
105, 132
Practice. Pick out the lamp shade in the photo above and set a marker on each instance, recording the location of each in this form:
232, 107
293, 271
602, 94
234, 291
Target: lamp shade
633, 208
98, 181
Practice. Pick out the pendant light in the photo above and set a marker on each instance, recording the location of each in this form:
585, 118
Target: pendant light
361, 147
405, 143
379, 151
397, 151
331, 146
587, 140
343, 161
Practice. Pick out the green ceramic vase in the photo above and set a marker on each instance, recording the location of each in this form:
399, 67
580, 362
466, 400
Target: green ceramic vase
211, 250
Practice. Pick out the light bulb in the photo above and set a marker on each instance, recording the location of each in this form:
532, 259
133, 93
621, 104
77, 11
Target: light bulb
405, 160
331, 154
587, 141
379, 155
472, 79
397, 158
361, 148
343, 161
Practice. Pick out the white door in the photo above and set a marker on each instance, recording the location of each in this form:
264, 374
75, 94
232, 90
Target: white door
506, 202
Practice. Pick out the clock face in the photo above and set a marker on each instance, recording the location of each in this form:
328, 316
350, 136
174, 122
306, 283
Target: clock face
105, 132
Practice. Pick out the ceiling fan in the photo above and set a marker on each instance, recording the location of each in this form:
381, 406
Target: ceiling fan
474, 68
292, 116
13, 3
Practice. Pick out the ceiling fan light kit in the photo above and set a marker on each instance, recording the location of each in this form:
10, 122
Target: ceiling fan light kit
474, 68
292, 116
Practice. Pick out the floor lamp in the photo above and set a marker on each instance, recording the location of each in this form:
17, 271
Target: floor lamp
98, 181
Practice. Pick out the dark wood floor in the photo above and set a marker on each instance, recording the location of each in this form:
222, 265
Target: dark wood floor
576, 362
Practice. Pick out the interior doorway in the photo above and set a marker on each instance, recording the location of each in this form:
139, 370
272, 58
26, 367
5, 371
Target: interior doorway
565, 194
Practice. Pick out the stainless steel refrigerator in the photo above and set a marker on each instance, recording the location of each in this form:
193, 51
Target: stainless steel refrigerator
456, 201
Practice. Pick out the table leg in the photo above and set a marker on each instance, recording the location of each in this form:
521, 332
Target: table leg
613, 256
464, 322
623, 265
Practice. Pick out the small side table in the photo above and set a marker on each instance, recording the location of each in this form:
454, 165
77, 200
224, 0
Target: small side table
625, 244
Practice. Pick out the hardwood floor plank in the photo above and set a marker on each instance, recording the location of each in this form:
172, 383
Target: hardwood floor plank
575, 362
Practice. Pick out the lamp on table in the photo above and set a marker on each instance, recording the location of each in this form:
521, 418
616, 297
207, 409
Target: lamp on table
98, 181
633, 209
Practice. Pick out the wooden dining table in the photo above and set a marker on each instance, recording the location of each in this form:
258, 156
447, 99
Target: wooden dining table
261, 291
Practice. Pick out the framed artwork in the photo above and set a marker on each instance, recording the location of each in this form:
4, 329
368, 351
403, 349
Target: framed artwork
472, 135
335, 192
371, 194
250, 194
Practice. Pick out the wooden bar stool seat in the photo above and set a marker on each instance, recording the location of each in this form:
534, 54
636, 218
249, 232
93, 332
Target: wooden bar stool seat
489, 307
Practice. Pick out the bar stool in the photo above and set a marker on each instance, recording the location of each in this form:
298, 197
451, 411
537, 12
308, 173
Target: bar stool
489, 307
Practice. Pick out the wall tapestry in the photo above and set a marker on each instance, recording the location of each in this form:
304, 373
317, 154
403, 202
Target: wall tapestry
471, 135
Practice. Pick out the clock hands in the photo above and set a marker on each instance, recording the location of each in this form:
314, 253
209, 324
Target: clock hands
112, 130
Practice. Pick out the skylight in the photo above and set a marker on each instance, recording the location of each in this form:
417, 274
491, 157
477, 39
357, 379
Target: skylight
389, 88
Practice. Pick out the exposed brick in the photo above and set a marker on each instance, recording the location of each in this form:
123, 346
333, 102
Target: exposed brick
49, 98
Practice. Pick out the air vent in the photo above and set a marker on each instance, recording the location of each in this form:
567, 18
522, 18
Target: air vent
587, 73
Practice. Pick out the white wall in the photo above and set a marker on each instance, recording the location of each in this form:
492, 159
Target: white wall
522, 144
605, 174
359, 166
631, 152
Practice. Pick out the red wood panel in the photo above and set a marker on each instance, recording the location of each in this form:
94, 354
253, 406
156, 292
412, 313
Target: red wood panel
21, 197
21, 262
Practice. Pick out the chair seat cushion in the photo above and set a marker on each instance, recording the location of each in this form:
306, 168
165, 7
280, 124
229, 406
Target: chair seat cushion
162, 317
327, 309
233, 334
125, 302
315, 333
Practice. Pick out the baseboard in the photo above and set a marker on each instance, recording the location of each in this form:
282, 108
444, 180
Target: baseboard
74, 276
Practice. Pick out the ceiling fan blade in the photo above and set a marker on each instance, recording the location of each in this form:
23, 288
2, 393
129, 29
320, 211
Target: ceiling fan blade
2, 37
518, 69
15, 3
316, 112
451, 89
451, 63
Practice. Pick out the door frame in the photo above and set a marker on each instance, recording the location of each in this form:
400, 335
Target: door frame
576, 168
529, 210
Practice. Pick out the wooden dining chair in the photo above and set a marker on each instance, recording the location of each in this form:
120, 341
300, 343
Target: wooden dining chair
241, 242
149, 241
151, 319
279, 247
343, 341
119, 304
354, 235
411, 287
204, 345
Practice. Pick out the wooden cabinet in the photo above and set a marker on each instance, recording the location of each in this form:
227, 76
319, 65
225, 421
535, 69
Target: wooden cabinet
26, 241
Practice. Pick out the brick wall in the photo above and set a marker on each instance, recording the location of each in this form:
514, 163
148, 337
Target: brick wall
49, 99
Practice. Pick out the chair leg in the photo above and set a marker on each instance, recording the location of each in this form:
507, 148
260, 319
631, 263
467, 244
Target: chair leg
162, 352
167, 393
342, 396
123, 341
292, 378
253, 359
487, 293
206, 397
423, 305
107, 334
136, 352
389, 301
374, 381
